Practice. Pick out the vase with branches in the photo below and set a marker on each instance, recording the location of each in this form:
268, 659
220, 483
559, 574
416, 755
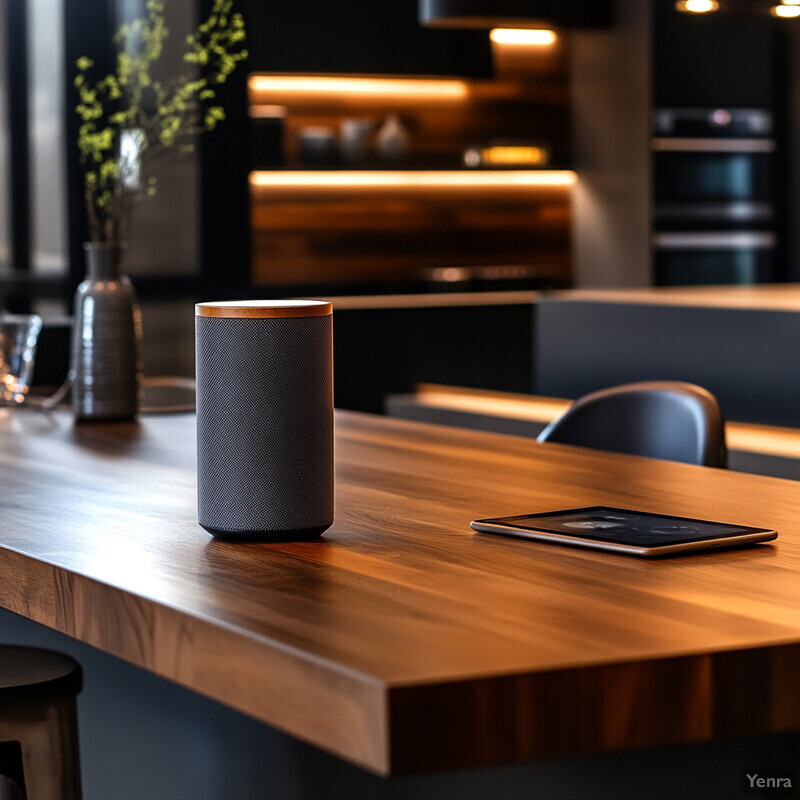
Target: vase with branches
130, 121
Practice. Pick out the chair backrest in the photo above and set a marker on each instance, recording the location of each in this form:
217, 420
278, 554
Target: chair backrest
661, 419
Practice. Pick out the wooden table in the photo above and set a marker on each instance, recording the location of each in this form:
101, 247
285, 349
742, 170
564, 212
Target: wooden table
401, 641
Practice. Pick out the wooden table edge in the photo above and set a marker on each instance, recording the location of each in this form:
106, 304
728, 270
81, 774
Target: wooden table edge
626, 704
67, 602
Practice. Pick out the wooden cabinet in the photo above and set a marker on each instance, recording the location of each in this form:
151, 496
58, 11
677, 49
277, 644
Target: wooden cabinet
315, 69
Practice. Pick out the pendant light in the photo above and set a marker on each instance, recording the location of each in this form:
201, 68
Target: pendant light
697, 6
515, 13
786, 10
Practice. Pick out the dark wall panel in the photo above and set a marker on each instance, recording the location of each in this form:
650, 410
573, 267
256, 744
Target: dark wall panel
382, 36
385, 351
745, 357
720, 59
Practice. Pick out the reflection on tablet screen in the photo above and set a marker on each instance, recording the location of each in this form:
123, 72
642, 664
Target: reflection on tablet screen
630, 527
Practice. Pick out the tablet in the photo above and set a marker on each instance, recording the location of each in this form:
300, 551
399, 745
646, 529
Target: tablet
620, 530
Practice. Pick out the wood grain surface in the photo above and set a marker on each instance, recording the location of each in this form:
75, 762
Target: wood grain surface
401, 640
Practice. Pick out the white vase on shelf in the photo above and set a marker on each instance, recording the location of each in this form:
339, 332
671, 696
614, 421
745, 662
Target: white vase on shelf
354, 140
392, 140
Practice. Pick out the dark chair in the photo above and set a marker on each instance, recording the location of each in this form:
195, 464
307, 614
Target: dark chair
660, 419
38, 724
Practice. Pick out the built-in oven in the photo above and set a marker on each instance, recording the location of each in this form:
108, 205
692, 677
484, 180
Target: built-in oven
714, 192
701, 257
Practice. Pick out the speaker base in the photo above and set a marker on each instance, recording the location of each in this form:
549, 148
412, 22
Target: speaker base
297, 535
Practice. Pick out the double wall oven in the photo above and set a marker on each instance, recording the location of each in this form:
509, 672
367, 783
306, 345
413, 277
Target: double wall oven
715, 216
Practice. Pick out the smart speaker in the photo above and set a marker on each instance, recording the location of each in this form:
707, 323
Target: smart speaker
264, 418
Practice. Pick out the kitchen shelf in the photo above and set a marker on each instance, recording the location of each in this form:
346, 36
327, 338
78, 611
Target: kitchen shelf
441, 117
323, 212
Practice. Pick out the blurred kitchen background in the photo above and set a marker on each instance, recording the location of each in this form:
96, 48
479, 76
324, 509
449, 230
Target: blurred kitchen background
431, 165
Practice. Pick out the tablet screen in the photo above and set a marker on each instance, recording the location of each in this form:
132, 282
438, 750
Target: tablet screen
621, 526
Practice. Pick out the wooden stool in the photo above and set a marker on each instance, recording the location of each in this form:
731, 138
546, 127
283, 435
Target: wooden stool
39, 722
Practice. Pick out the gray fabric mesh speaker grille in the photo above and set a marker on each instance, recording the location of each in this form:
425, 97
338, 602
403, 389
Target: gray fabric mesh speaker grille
264, 424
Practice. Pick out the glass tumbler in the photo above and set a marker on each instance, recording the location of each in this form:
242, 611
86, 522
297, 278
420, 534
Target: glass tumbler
18, 336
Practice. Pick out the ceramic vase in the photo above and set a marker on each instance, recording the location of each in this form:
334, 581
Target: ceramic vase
392, 140
105, 364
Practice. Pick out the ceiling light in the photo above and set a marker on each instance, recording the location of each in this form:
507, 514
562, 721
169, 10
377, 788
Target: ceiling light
697, 6
786, 11
527, 36
488, 14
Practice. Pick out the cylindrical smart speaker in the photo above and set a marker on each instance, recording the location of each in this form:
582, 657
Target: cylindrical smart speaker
264, 418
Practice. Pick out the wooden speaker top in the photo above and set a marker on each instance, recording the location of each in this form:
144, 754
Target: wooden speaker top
261, 309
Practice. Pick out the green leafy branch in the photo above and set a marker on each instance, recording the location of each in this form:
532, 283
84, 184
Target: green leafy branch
129, 120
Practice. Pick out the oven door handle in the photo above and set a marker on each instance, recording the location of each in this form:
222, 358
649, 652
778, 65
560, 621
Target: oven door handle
727, 240
670, 144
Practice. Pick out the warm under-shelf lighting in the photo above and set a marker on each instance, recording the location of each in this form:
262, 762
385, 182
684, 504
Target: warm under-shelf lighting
786, 11
697, 6
506, 155
535, 37
281, 88
411, 179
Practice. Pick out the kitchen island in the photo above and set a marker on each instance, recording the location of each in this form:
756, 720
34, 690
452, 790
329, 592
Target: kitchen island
401, 641
739, 342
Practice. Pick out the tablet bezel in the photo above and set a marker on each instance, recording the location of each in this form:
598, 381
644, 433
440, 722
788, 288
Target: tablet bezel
743, 535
